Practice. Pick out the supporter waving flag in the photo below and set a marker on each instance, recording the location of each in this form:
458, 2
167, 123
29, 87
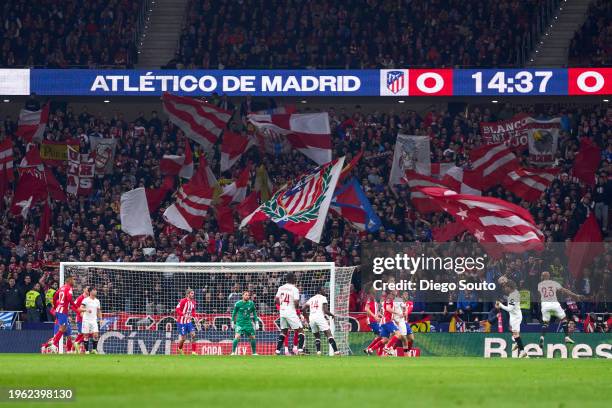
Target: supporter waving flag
201, 121
491, 162
351, 203
307, 132
181, 166
32, 124
233, 146
490, 220
301, 206
192, 202
529, 184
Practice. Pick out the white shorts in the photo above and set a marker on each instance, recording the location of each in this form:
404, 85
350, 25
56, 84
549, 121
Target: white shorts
515, 323
90, 327
552, 309
318, 324
401, 327
290, 322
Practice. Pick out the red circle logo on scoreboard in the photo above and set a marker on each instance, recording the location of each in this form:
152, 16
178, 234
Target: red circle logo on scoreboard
424, 82
589, 81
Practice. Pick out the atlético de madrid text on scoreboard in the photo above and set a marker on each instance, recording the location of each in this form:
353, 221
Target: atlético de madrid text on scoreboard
383, 82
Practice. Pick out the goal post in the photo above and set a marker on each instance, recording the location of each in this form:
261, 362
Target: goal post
138, 302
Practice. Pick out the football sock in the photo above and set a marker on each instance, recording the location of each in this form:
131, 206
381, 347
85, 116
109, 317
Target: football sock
332, 342
253, 346
374, 343
280, 341
234, 345
95, 345
301, 339
519, 343
57, 337
318, 345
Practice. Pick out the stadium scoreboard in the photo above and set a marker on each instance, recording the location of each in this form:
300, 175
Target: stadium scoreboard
382, 82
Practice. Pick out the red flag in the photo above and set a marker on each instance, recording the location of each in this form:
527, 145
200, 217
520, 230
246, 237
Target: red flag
421, 202
490, 220
491, 163
257, 230
174, 165
529, 183
587, 161
155, 196
250, 204
463, 181
586, 245
225, 218
233, 146
447, 232
45, 222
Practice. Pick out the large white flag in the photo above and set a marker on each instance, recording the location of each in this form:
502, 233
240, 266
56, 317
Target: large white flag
411, 153
135, 216
543, 138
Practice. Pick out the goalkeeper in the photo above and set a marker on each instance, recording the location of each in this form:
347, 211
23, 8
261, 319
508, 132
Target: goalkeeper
244, 322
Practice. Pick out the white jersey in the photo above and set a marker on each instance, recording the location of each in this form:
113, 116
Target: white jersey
548, 290
91, 309
514, 304
316, 306
398, 312
287, 295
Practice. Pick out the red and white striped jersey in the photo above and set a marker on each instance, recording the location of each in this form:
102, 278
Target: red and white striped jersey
185, 310
373, 307
64, 299
387, 315
408, 306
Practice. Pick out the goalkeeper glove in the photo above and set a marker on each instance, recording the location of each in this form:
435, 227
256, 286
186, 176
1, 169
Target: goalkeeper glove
232, 325
256, 325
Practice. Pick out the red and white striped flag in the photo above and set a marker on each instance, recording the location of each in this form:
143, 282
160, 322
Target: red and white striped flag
529, 184
421, 202
182, 166
233, 146
236, 192
32, 124
192, 202
301, 206
463, 181
491, 163
490, 220
201, 121
6, 165
307, 132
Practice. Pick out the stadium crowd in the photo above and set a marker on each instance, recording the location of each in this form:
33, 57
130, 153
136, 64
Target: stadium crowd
592, 43
87, 228
353, 34
68, 33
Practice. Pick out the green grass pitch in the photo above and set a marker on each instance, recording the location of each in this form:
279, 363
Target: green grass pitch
113, 381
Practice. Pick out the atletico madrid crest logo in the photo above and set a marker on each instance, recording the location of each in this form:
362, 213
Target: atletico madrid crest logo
395, 81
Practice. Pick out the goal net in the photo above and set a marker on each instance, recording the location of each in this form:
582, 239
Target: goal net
138, 302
